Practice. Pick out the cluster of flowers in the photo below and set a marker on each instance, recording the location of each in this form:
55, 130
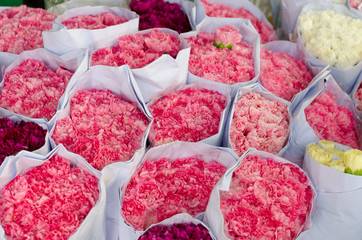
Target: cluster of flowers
188, 115
266, 200
101, 127
47, 202
161, 189
332, 122
332, 37
160, 14
358, 96
186, 231
259, 123
357, 4
99, 21
349, 161
21, 28
15, 137
137, 50
33, 90
223, 65
267, 33
283, 74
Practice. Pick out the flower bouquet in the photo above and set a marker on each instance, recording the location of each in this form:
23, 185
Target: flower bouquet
355, 6
357, 96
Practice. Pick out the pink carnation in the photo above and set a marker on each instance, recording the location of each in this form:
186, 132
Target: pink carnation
267, 34
161, 189
282, 74
358, 96
47, 202
33, 90
99, 21
258, 123
357, 4
188, 115
101, 127
227, 35
21, 28
138, 50
332, 122
266, 200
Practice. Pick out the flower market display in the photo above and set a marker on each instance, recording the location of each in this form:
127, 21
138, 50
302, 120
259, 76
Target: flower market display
33, 90
137, 50
186, 231
160, 14
15, 137
357, 4
332, 122
47, 202
266, 200
99, 21
21, 28
188, 115
221, 56
358, 96
259, 123
332, 37
101, 127
161, 189
283, 74
220, 10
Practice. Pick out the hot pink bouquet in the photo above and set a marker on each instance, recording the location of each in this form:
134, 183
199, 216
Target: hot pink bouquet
99, 21
358, 96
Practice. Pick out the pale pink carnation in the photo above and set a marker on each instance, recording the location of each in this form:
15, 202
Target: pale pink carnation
161, 189
258, 123
103, 20
266, 200
358, 96
21, 28
267, 33
332, 122
101, 127
33, 90
188, 115
137, 50
227, 35
357, 4
283, 74
47, 202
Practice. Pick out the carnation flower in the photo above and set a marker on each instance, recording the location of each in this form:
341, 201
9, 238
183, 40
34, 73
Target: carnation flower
33, 90
15, 137
258, 123
266, 200
220, 10
47, 202
188, 115
357, 4
161, 189
103, 20
332, 122
282, 74
160, 14
137, 50
101, 127
358, 96
21, 28
226, 36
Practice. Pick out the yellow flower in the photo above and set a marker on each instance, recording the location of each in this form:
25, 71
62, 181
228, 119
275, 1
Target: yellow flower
318, 154
338, 165
331, 148
353, 161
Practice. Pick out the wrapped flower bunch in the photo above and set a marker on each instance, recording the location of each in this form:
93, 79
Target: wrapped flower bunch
332, 37
221, 56
21, 28
266, 32
103, 20
160, 14
47, 202
332, 122
186, 231
283, 74
188, 115
15, 137
357, 4
258, 123
101, 127
266, 200
161, 189
358, 97
137, 50
33, 90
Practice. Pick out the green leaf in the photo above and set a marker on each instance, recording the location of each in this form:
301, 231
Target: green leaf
348, 170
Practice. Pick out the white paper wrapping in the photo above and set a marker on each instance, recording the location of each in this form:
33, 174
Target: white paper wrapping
173, 151
61, 40
354, 90
5, 60
249, 34
93, 226
213, 216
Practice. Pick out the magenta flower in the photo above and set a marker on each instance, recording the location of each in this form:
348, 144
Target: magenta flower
103, 20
